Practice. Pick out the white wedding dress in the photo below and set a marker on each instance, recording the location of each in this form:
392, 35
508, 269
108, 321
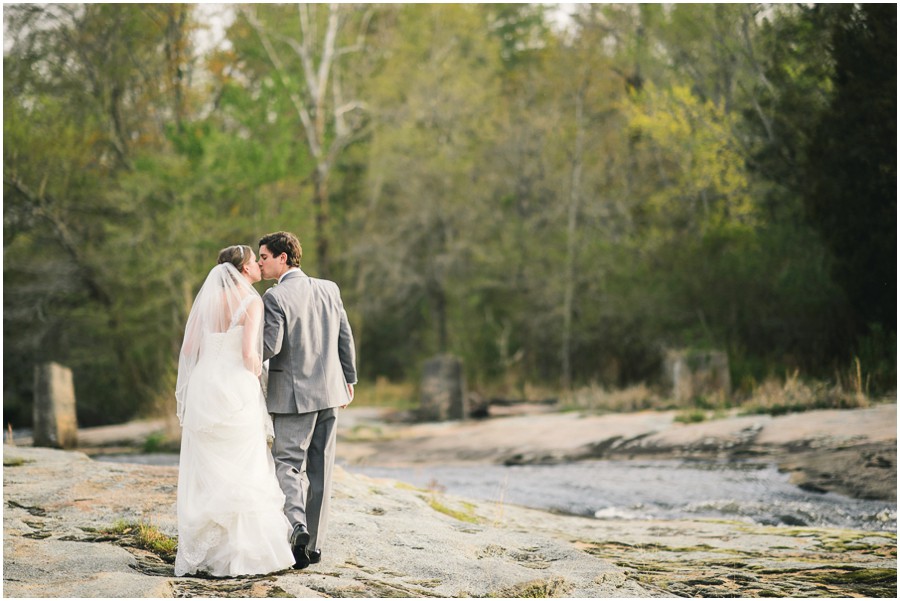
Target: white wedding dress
231, 518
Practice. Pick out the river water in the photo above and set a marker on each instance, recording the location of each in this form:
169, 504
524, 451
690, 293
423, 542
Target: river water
751, 491
661, 489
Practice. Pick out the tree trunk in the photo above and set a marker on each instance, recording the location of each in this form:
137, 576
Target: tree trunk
571, 231
320, 202
318, 60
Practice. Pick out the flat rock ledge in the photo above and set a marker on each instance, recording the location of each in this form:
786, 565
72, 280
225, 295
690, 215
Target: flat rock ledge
852, 452
389, 539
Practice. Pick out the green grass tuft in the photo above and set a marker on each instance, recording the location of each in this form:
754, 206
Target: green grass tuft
691, 416
146, 536
406, 486
463, 516
155, 442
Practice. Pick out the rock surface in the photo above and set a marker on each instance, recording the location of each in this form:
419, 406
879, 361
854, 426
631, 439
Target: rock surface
853, 452
390, 539
387, 540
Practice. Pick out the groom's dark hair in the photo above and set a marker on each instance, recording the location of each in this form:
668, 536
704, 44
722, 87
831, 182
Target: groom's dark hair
284, 242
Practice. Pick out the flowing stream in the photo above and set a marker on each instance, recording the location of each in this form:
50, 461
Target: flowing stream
661, 489
752, 491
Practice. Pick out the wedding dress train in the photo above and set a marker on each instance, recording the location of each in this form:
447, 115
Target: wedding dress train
231, 518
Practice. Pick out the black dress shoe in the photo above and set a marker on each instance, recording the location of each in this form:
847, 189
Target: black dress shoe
315, 556
299, 540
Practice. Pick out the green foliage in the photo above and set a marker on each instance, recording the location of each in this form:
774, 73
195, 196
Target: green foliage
877, 352
384, 393
551, 205
851, 197
154, 443
522, 30
15, 461
692, 416
707, 185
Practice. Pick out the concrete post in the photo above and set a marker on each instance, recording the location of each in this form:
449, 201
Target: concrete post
55, 424
443, 389
691, 373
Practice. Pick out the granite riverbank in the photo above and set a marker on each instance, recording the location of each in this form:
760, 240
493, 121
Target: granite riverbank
389, 538
851, 452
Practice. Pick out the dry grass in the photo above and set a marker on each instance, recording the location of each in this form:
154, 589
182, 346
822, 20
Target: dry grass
526, 392
774, 396
556, 586
793, 394
384, 393
595, 398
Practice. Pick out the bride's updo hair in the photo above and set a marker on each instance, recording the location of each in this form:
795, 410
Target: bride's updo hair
238, 255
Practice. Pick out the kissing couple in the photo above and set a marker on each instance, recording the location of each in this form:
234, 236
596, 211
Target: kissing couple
243, 509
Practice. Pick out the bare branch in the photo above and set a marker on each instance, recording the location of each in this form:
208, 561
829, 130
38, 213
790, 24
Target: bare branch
351, 106
302, 49
360, 37
339, 144
327, 52
280, 70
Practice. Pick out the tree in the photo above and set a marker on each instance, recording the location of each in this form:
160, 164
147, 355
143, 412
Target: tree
553, 205
852, 168
590, 95
790, 55
309, 69
86, 91
424, 197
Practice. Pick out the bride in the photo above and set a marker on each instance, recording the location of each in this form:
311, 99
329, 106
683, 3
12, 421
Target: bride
231, 518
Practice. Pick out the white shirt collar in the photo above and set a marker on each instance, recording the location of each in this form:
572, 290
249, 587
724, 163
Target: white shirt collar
287, 272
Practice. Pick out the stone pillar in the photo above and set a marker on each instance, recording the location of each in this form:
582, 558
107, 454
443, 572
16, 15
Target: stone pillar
55, 424
443, 394
693, 373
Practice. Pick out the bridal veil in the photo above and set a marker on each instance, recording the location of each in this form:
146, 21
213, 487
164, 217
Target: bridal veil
225, 301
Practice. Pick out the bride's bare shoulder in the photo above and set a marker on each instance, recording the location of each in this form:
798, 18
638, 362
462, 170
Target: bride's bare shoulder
254, 302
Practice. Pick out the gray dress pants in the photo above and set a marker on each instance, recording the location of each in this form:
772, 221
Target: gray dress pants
304, 459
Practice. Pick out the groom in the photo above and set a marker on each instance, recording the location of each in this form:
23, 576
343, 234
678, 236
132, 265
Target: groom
312, 370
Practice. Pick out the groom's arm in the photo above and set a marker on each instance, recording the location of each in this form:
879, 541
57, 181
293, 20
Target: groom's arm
347, 354
346, 346
273, 330
347, 349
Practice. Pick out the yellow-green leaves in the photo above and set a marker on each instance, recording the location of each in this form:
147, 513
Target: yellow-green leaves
702, 179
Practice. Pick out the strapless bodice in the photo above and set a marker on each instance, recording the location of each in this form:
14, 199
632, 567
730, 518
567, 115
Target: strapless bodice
223, 348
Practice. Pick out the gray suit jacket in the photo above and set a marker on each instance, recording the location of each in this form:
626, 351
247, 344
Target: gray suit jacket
308, 342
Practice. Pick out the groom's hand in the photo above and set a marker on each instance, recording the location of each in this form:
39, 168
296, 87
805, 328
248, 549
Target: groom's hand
350, 390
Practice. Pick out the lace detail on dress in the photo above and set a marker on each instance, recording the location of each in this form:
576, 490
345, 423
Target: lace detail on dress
240, 312
194, 547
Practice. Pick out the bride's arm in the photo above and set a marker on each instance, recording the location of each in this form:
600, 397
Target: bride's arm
251, 341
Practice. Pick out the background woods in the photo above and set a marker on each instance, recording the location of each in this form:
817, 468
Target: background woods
554, 204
